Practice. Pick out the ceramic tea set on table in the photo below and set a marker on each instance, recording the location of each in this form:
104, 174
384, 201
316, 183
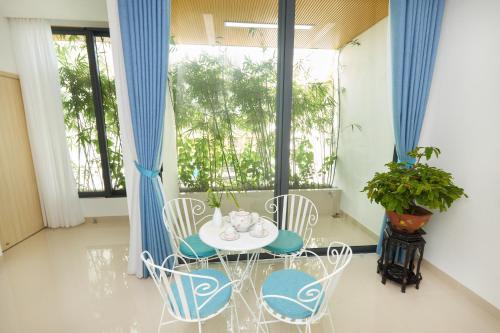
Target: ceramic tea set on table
242, 221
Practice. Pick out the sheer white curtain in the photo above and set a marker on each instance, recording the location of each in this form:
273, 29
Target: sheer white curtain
37, 66
132, 176
169, 156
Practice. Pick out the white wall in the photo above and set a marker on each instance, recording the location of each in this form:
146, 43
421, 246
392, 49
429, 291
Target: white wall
364, 102
58, 12
463, 119
7, 62
95, 207
71, 10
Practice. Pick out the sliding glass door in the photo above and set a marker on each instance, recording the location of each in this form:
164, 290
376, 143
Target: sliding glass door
257, 96
340, 132
223, 74
314, 120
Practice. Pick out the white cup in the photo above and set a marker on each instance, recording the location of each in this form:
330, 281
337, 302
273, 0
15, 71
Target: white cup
229, 231
258, 228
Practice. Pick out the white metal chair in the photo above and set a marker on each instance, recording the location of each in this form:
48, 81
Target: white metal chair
297, 298
298, 215
190, 296
181, 217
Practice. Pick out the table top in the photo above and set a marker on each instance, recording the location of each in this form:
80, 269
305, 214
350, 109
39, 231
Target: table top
210, 235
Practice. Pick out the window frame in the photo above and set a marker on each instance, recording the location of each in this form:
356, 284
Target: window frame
90, 34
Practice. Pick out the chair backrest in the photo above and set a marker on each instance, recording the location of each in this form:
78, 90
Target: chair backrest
181, 217
297, 213
339, 256
177, 288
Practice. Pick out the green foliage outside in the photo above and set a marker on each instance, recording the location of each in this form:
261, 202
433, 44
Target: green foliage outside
404, 186
225, 118
79, 113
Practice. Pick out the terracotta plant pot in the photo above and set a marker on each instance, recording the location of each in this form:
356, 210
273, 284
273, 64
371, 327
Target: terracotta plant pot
409, 223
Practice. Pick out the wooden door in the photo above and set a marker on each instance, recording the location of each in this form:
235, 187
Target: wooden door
20, 212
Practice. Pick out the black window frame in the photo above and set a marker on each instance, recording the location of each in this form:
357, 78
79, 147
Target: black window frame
90, 34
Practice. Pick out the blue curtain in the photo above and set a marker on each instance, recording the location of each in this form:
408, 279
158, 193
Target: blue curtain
415, 28
144, 26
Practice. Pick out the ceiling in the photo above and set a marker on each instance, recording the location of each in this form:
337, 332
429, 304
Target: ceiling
335, 22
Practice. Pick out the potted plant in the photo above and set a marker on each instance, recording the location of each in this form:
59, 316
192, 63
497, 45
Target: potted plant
405, 188
215, 200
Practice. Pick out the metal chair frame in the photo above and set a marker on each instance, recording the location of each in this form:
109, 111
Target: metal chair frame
297, 213
164, 277
310, 297
181, 217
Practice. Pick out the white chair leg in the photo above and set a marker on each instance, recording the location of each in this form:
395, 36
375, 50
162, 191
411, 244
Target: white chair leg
236, 318
273, 260
231, 320
330, 319
199, 327
161, 318
261, 321
255, 267
308, 328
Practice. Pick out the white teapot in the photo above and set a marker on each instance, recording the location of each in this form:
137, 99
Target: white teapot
241, 220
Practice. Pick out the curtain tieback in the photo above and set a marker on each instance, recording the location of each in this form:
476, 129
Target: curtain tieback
146, 172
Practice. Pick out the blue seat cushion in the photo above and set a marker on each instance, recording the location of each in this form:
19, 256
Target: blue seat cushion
286, 242
288, 282
201, 250
214, 305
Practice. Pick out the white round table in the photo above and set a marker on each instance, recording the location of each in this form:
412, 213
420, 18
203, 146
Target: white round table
210, 235
244, 245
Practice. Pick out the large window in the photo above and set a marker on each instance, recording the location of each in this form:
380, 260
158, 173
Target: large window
224, 102
90, 111
276, 96
224, 78
263, 93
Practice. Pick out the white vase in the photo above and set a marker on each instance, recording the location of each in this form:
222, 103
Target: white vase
217, 217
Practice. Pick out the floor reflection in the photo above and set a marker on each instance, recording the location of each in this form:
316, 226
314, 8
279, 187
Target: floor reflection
75, 280
101, 273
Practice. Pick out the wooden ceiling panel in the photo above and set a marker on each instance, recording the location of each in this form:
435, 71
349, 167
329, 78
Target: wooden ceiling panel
335, 22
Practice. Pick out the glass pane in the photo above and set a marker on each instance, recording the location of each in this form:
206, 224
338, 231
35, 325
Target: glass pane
223, 88
79, 114
339, 114
111, 122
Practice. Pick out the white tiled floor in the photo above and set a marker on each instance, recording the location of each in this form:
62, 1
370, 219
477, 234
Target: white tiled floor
74, 280
340, 228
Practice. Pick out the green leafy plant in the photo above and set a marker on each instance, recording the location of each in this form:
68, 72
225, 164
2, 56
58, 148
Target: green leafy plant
406, 185
214, 198
79, 113
225, 118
